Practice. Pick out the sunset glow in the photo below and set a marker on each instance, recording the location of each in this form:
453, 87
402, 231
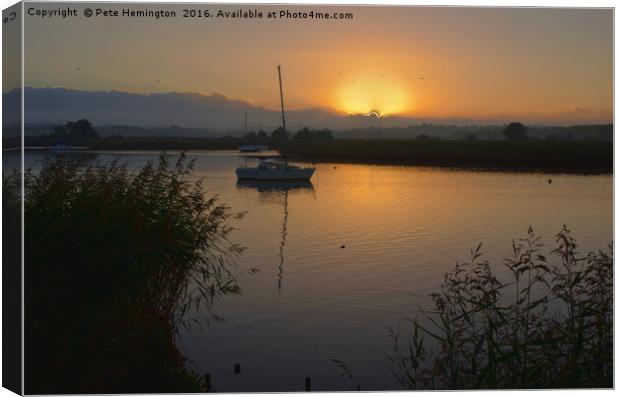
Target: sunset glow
537, 65
364, 95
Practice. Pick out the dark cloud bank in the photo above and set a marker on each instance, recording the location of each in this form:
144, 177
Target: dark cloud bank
220, 115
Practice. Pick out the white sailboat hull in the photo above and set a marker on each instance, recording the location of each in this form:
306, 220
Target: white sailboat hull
294, 174
252, 148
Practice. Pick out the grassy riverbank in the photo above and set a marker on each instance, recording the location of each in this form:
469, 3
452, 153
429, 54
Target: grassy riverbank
587, 157
550, 156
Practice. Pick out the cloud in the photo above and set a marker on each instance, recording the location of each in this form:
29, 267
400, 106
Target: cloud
218, 112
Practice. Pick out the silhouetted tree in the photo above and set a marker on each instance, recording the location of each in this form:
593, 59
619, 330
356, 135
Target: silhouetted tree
262, 135
79, 129
324, 134
304, 133
82, 128
307, 134
279, 134
515, 132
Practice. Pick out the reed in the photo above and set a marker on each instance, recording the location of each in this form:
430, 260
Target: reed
548, 326
114, 261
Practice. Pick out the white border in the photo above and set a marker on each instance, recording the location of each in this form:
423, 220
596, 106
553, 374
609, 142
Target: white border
470, 3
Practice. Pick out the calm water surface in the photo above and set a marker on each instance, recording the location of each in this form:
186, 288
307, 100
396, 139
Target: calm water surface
402, 227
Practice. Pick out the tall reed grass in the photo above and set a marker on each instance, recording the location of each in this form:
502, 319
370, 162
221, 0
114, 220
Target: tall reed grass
114, 260
549, 326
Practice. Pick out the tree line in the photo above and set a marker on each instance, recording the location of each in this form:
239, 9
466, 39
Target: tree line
514, 131
279, 134
78, 129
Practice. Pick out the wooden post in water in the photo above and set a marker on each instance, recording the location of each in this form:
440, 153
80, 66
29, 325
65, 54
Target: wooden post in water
237, 369
308, 383
207, 382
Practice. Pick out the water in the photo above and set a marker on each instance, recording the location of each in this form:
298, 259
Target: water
402, 227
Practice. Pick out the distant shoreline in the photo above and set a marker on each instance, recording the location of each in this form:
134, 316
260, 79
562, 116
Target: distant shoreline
460, 166
501, 156
576, 157
526, 156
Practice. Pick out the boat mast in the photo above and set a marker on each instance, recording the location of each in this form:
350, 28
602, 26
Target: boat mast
283, 118
245, 125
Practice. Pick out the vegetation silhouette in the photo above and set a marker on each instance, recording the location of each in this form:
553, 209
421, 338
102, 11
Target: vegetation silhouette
489, 334
12, 297
279, 134
550, 156
308, 134
116, 259
81, 129
515, 132
575, 149
261, 136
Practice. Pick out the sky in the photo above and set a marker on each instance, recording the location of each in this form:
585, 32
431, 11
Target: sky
539, 64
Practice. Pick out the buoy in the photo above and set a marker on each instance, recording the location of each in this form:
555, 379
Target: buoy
237, 368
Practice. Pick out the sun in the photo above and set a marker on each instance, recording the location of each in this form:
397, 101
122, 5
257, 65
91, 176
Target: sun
375, 97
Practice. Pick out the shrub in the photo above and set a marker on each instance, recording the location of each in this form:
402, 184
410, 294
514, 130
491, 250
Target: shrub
489, 334
114, 259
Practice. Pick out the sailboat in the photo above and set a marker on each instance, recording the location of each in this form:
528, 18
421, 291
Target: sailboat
275, 170
250, 148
